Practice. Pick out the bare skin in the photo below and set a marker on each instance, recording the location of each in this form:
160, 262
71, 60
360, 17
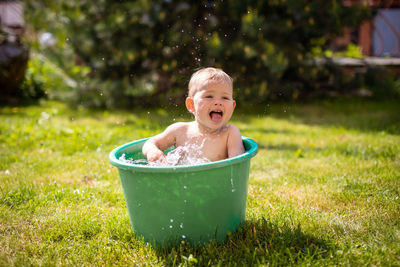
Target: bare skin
217, 145
212, 107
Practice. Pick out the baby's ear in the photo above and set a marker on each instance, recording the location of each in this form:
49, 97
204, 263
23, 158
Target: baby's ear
189, 104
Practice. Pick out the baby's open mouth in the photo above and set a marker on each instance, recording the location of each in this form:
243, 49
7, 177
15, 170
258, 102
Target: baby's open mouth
216, 115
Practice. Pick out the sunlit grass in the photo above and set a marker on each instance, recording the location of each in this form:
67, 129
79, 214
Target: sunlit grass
324, 188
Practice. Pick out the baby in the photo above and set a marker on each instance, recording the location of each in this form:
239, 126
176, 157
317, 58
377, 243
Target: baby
210, 101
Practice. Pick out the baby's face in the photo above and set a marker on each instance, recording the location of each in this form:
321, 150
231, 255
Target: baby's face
213, 105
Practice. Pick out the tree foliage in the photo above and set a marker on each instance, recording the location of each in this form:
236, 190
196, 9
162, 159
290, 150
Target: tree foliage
143, 52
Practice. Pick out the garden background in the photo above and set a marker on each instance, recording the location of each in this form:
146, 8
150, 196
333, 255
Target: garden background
324, 188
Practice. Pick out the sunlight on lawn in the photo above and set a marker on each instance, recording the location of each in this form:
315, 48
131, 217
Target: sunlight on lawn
324, 188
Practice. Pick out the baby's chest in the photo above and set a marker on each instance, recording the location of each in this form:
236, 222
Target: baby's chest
211, 147
215, 149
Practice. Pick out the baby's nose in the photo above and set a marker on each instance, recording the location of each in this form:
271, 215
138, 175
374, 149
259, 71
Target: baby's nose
218, 102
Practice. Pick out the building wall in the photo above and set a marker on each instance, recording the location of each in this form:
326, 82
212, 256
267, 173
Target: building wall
379, 37
386, 33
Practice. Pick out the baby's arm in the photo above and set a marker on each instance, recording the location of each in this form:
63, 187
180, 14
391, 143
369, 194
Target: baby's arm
154, 147
235, 143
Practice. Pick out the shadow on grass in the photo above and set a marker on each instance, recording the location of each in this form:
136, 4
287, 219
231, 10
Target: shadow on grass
366, 117
354, 114
281, 147
259, 242
259, 130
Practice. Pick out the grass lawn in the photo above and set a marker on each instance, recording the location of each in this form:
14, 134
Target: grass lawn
324, 188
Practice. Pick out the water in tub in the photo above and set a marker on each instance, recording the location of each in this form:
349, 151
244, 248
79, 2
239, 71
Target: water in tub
189, 154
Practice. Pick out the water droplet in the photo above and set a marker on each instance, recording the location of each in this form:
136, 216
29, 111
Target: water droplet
102, 58
170, 226
183, 236
181, 225
185, 187
172, 220
233, 187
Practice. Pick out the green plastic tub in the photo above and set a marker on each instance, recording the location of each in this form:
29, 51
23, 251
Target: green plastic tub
195, 203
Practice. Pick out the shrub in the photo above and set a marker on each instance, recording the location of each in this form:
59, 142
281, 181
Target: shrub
145, 51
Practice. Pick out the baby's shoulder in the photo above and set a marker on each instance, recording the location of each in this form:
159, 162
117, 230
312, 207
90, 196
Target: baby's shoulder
232, 129
178, 126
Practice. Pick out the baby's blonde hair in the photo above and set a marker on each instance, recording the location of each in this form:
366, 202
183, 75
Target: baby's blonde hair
203, 77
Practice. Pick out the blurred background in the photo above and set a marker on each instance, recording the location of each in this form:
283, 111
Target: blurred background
128, 54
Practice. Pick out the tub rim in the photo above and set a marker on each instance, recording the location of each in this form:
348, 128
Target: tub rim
247, 155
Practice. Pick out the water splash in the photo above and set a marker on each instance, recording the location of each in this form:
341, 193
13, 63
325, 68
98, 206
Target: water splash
189, 154
133, 162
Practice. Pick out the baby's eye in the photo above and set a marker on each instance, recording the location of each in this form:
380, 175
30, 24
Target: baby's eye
225, 98
208, 96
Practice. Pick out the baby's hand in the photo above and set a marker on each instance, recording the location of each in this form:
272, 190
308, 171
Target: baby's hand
155, 155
